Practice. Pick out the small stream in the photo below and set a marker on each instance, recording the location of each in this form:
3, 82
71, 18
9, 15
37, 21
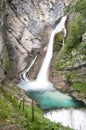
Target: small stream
48, 97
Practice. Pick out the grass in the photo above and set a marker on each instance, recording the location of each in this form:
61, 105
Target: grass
4, 109
6, 58
10, 113
80, 86
65, 63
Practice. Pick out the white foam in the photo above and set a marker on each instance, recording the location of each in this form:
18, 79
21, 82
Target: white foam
73, 118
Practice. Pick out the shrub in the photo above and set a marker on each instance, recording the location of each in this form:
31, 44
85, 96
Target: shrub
80, 86
6, 58
76, 30
58, 39
4, 109
81, 7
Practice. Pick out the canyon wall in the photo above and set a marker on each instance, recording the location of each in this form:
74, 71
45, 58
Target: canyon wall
27, 25
70, 64
1, 47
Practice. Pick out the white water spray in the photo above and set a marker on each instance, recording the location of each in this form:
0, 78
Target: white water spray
23, 75
41, 81
73, 118
44, 71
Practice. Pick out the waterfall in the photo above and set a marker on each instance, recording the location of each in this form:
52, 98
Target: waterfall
73, 118
23, 75
41, 81
44, 71
43, 92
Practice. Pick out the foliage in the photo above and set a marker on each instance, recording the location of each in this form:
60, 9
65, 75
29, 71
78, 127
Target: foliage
76, 27
74, 47
70, 74
81, 7
4, 109
3, 4
6, 58
15, 115
63, 63
83, 49
45, 125
69, 9
80, 86
72, 56
76, 30
58, 39
78, 6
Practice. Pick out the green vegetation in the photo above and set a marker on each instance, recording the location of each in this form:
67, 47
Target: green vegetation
11, 113
80, 7
76, 7
58, 41
2, 7
73, 55
4, 109
73, 42
65, 63
80, 86
3, 12
76, 30
6, 58
71, 75
76, 27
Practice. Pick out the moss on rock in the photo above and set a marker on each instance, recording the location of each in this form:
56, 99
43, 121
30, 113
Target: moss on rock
80, 86
58, 39
6, 58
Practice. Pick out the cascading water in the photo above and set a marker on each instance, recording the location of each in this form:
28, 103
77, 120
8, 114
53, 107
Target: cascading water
41, 82
23, 74
44, 71
42, 90
73, 118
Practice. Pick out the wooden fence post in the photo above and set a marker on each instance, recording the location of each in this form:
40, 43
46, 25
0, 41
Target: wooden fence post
32, 110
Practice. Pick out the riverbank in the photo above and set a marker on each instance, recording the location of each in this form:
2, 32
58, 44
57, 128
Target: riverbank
13, 116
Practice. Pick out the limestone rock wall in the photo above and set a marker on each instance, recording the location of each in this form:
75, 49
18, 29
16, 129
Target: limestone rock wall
25, 22
1, 59
1, 48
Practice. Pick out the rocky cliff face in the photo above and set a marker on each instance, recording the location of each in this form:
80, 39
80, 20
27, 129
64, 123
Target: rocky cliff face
25, 23
70, 64
1, 49
1, 60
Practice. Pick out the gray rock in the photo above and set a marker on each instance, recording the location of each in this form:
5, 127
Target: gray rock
26, 21
84, 38
1, 49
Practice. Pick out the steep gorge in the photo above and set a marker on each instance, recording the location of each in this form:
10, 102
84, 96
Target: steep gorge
71, 61
25, 31
26, 27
